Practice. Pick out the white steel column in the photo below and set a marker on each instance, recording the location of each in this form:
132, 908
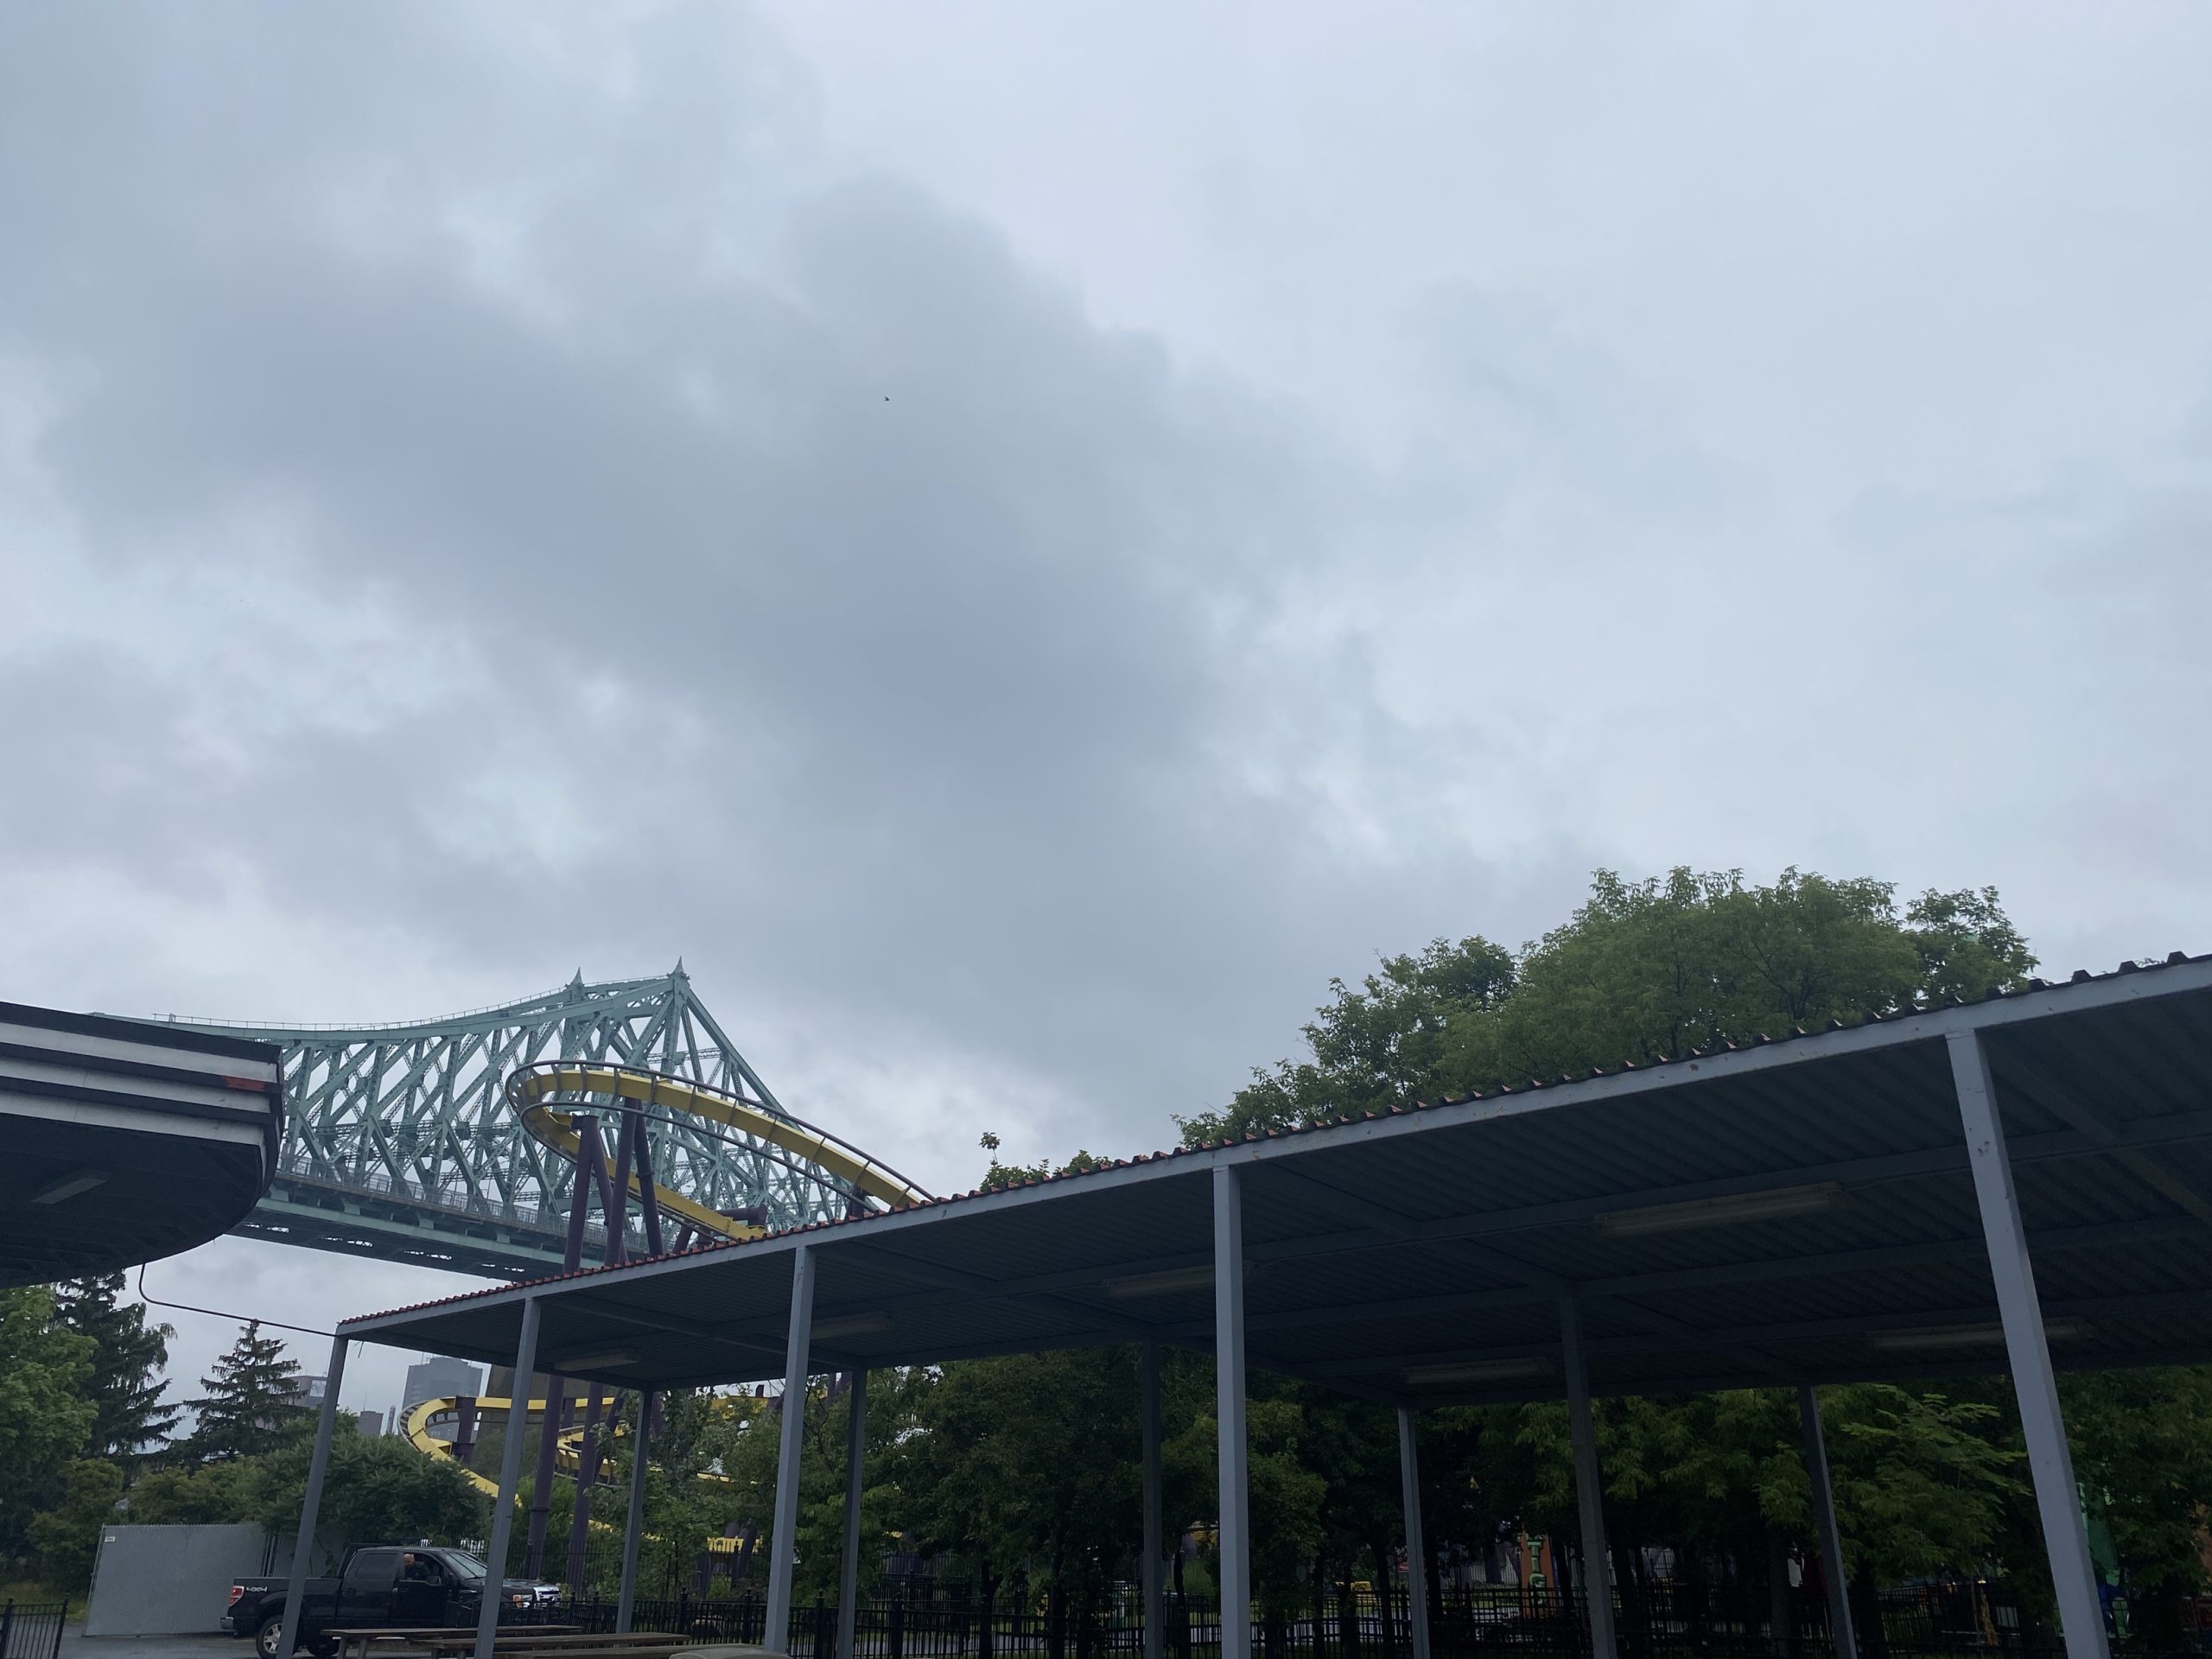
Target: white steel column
625, 1605
311, 1504
849, 1569
1816, 1469
1416, 1546
1229, 1411
1589, 1490
2074, 1577
503, 1507
1155, 1616
782, 1533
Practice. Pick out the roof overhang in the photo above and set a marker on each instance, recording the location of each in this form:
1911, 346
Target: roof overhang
1799, 1211
127, 1140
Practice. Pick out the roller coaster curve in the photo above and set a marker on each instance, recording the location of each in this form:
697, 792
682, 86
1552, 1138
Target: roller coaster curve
864, 1178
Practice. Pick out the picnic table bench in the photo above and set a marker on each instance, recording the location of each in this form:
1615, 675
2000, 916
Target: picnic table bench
528, 1641
356, 1643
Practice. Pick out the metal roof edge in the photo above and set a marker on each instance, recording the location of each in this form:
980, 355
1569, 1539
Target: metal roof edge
2159, 980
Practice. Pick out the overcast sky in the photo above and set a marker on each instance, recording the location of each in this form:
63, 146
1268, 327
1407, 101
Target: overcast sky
1020, 540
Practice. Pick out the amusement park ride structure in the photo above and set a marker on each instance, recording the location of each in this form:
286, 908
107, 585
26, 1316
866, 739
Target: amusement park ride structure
478, 1144
401, 1145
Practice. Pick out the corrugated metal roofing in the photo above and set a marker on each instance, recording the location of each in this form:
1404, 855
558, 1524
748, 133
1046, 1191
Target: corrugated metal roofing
1420, 1254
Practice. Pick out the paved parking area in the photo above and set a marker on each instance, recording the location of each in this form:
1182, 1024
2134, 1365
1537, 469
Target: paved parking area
75, 1644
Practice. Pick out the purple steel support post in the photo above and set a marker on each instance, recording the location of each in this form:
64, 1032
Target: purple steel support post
618, 1227
557, 1392
548, 1437
587, 1475
648, 1195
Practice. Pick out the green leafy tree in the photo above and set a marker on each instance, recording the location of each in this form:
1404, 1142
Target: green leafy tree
375, 1490
46, 1414
2142, 1443
1024, 1464
128, 1358
1390, 1042
253, 1404
1643, 970
1286, 1499
66, 1536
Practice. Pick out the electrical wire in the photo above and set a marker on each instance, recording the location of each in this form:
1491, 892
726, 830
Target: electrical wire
146, 1295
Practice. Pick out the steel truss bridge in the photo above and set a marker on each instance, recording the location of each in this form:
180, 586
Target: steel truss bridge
399, 1144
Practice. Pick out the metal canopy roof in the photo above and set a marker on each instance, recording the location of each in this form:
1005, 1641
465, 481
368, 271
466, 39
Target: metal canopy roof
126, 1141
1793, 1211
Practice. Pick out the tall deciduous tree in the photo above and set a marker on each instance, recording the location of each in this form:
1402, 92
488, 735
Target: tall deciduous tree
1642, 970
127, 1385
45, 1411
252, 1402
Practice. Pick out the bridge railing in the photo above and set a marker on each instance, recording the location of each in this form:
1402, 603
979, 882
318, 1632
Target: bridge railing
453, 1197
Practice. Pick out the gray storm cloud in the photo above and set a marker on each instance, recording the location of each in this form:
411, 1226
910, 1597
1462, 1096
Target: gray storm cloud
1019, 548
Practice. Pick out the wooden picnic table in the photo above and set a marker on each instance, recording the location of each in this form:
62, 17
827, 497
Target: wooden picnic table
558, 1642
437, 1638
355, 1643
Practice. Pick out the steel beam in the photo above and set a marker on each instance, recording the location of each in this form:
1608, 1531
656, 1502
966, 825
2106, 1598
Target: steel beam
295, 1589
783, 1534
849, 1565
503, 1506
1416, 1544
1589, 1490
2050, 1462
1231, 1452
1816, 1470
1155, 1611
633, 1534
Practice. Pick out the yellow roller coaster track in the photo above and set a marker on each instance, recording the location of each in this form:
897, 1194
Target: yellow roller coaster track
421, 1419
844, 1163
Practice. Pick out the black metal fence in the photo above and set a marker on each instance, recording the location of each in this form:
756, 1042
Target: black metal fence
1965, 1620
31, 1630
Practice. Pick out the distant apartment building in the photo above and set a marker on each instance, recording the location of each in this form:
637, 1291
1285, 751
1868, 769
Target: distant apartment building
438, 1378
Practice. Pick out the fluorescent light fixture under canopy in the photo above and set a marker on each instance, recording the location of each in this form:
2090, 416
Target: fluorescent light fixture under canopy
1777, 1204
1173, 1281
1970, 1336
597, 1359
1480, 1370
69, 1187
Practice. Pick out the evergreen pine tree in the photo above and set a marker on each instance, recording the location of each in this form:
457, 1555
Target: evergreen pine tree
127, 1384
253, 1402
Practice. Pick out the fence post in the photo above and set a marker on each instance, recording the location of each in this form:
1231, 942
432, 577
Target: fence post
897, 1621
821, 1630
8, 1624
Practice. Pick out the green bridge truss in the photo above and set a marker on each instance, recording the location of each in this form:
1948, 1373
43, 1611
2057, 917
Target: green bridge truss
399, 1146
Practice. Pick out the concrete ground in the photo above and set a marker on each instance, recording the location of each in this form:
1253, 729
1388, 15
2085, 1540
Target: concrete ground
75, 1644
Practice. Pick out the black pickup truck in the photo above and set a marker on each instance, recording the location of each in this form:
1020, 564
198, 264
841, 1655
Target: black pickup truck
378, 1586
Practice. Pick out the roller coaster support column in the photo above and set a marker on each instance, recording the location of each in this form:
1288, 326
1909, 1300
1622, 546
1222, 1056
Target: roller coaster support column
503, 1506
626, 1607
591, 1166
848, 1569
633, 1125
784, 1532
587, 1475
303, 1546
